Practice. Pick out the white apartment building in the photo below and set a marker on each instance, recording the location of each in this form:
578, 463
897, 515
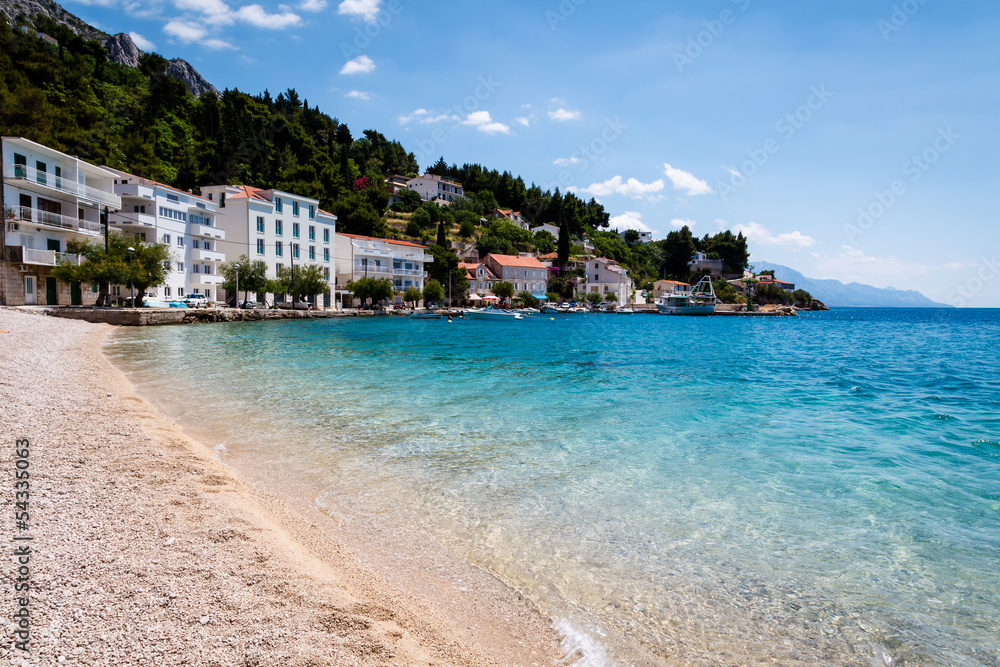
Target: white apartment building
546, 227
49, 199
182, 221
644, 237
605, 276
280, 228
403, 262
432, 187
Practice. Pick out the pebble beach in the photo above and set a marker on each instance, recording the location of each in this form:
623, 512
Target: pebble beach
146, 550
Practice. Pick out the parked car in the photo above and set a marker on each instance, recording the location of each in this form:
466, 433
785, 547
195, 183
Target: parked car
194, 300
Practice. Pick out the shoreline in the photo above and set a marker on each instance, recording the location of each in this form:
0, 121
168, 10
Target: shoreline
148, 550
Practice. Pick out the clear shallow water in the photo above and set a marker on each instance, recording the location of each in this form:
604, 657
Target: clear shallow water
817, 490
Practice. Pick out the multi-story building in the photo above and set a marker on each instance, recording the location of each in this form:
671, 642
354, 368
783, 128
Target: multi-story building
701, 261
280, 228
49, 199
481, 278
182, 221
662, 288
403, 262
605, 276
644, 237
432, 187
513, 216
526, 273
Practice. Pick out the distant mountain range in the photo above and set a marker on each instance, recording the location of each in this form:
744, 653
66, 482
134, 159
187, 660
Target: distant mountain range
121, 48
836, 294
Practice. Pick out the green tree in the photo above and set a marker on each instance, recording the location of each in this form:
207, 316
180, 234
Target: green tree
433, 292
412, 295
726, 293
631, 236
409, 201
563, 245
678, 249
143, 268
527, 299
375, 289
302, 281
503, 289
593, 298
466, 229
545, 242
252, 277
800, 296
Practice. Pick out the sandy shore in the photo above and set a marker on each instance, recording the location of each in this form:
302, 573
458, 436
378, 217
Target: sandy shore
147, 551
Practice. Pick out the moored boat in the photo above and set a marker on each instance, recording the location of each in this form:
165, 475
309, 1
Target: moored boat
700, 300
492, 314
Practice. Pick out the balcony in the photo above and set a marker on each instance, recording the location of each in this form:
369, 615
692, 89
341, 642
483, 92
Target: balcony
371, 250
35, 180
17, 254
206, 231
127, 219
370, 268
202, 255
135, 190
409, 272
415, 257
34, 216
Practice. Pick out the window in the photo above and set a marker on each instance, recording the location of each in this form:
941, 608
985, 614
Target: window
326, 236
180, 241
295, 208
260, 246
166, 291
20, 166
180, 267
195, 268
326, 274
312, 252
172, 214
295, 230
277, 204
312, 211
295, 250
166, 239
278, 227
208, 268
326, 254
173, 198
312, 233
139, 209
166, 267
279, 248
260, 224
194, 243
40, 168
277, 268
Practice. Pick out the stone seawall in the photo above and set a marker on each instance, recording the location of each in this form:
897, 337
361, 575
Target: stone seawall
139, 317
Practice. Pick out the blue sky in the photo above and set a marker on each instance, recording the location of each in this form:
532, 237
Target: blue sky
854, 140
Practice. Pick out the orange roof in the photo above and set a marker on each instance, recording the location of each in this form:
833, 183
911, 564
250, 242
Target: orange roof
551, 255
513, 260
374, 238
248, 192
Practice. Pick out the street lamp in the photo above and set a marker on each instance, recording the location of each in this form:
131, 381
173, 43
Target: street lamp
131, 286
237, 285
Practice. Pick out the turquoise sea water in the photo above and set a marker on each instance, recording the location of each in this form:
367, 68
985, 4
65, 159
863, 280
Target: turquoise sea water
813, 490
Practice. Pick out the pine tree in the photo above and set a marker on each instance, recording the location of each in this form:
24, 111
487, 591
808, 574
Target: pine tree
562, 249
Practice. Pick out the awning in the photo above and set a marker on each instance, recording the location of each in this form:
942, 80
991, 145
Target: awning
475, 297
490, 297
541, 297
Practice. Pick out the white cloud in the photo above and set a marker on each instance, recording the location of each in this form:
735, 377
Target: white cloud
213, 11
732, 172
185, 31
256, 16
359, 95
758, 233
216, 44
618, 186
563, 115
683, 180
360, 65
365, 9
629, 220
523, 120
424, 117
482, 121
678, 223
566, 161
313, 5
143, 43
97, 3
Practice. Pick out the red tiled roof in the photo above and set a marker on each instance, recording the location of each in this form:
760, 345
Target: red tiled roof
512, 260
248, 192
551, 255
374, 238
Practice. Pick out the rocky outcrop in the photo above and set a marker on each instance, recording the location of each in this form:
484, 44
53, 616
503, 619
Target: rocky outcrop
121, 49
16, 11
817, 305
195, 82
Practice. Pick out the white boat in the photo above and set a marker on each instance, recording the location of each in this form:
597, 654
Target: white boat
700, 300
492, 314
549, 308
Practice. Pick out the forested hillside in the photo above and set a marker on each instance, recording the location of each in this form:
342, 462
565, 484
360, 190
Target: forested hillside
140, 120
